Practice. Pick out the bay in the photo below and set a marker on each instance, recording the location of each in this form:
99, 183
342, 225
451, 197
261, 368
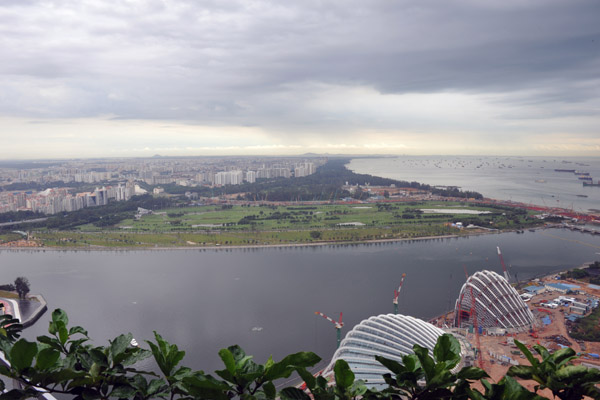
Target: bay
264, 299
530, 180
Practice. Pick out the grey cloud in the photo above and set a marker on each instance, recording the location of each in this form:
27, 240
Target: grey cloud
198, 61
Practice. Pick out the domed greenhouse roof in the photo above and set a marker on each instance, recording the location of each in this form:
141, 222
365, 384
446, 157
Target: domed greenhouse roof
387, 335
497, 304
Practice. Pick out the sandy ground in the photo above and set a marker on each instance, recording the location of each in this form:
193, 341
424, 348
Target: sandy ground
548, 336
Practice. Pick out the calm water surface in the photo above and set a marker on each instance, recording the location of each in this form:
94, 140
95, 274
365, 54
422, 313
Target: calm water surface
206, 300
528, 180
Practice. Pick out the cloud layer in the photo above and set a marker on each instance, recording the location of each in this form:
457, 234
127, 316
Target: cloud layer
304, 74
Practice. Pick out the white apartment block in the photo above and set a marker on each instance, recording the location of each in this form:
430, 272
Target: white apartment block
250, 176
229, 178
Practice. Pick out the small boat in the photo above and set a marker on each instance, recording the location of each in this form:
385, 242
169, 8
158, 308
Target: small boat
134, 343
582, 195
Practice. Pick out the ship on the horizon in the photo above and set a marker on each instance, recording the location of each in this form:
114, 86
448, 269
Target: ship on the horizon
581, 173
591, 183
564, 170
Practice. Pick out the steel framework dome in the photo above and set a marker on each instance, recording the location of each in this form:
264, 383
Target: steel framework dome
387, 335
497, 304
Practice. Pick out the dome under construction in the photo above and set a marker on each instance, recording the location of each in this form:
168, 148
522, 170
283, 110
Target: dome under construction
497, 304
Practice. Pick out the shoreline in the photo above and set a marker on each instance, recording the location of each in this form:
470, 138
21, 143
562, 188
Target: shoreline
237, 247
256, 246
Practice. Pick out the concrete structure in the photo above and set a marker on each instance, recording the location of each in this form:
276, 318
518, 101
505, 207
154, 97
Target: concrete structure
497, 304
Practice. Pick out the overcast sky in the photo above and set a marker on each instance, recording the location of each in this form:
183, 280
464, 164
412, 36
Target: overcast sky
81, 78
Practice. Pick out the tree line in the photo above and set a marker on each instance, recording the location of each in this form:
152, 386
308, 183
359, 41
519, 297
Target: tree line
107, 215
21, 286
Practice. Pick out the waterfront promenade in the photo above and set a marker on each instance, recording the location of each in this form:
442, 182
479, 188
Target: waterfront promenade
27, 311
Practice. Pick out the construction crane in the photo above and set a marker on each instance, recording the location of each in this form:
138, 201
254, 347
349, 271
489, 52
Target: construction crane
503, 266
473, 313
338, 326
397, 294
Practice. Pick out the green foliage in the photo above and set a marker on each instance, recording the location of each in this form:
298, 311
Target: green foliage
22, 286
10, 328
66, 363
555, 372
588, 327
11, 216
315, 234
421, 376
576, 273
8, 287
108, 215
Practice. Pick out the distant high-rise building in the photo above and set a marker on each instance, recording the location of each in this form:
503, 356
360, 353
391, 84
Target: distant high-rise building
101, 196
229, 178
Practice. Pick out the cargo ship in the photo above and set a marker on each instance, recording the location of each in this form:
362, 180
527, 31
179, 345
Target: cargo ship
581, 173
591, 183
584, 178
564, 170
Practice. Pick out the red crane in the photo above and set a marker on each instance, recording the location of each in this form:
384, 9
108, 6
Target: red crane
397, 293
503, 266
473, 313
338, 326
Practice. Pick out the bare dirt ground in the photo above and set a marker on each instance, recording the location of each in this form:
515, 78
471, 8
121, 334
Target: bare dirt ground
550, 336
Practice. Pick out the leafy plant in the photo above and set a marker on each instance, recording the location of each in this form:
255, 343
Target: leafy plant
10, 328
421, 376
66, 363
556, 372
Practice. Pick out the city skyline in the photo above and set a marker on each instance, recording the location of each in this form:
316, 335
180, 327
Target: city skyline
134, 79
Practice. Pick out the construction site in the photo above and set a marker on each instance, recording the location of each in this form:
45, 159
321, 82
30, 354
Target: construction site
489, 315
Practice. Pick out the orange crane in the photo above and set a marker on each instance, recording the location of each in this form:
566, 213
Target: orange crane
338, 326
473, 313
397, 294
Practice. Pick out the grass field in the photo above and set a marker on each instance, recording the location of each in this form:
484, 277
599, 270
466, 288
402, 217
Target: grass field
281, 225
8, 295
241, 218
9, 237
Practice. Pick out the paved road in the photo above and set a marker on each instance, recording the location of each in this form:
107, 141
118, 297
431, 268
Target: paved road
25, 221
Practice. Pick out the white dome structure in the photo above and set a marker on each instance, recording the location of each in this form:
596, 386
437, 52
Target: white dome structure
388, 335
497, 304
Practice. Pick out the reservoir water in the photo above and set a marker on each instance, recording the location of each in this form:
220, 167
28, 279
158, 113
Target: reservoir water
264, 299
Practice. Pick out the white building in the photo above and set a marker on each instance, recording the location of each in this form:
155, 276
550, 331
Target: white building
496, 303
229, 178
391, 336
